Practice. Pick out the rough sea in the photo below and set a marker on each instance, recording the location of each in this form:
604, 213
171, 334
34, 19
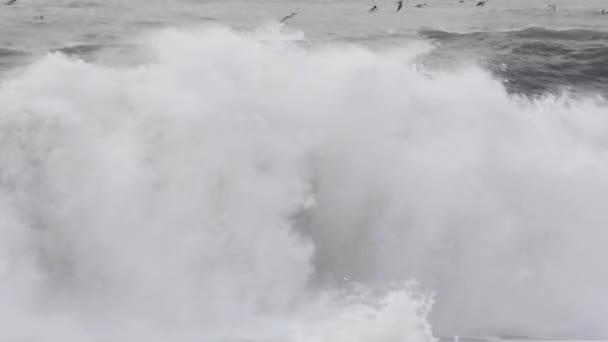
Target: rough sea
188, 170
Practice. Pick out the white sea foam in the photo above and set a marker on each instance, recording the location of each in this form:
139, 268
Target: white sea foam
219, 190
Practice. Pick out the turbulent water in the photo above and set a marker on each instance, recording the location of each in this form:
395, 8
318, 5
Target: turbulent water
198, 171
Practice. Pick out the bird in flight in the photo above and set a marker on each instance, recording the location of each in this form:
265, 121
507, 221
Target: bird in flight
373, 9
287, 17
420, 5
10, 2
481, 3
399, 5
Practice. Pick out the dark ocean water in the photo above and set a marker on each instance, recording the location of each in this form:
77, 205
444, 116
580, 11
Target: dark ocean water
536, 60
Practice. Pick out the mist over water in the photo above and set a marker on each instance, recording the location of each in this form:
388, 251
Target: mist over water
239, 186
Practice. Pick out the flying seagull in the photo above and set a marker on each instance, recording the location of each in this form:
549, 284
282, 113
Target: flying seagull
399, 5
481, 3
420, 5
373, 9
10, 2
289, 17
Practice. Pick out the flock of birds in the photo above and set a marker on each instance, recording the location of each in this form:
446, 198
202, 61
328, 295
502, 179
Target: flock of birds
374, 8
480, 3
400, 3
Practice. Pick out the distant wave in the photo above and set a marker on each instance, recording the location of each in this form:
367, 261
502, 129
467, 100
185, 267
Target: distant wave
572, 34
88, 49
80, 49
530, 33
4, 52
10, 58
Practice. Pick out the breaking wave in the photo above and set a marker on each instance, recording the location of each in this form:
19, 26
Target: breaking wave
238, 186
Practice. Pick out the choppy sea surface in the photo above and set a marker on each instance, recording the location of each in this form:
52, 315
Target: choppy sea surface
201, 171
